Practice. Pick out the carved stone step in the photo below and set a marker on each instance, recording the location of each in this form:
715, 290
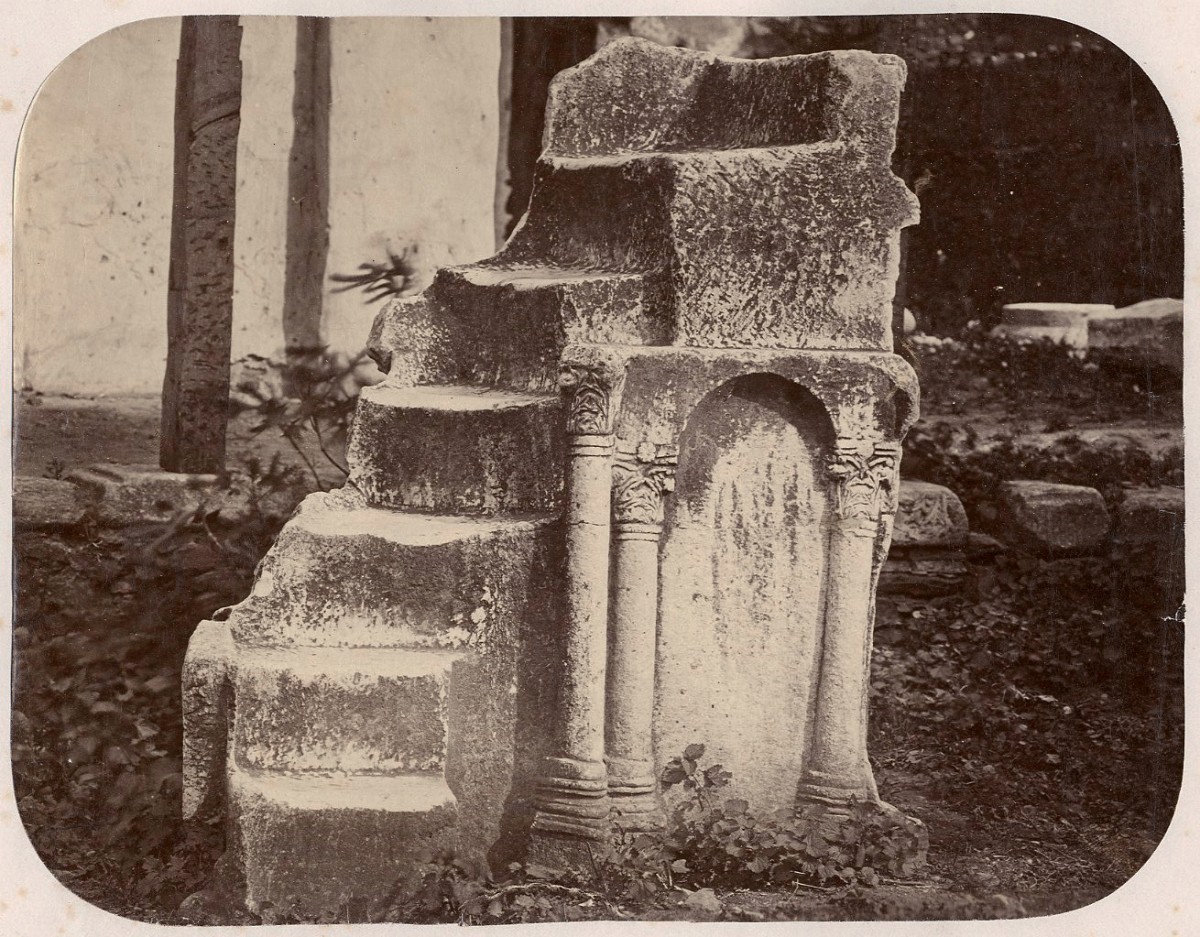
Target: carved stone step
309, 844
458, 449
343, 574
352, 710
506, 324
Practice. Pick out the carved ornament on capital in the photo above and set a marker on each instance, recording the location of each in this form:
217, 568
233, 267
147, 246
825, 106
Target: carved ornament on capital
864, 474
592, 390
642, 475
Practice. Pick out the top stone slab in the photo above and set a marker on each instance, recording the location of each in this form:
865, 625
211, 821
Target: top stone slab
757, 194
638, 96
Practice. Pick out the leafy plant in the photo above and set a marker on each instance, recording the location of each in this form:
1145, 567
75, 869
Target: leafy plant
727, 843
315, 397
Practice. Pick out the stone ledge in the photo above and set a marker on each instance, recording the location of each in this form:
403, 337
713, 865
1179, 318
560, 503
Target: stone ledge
1149, 333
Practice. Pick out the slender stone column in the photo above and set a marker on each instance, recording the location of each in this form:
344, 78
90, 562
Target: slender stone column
572, 798
641, 476
836, 767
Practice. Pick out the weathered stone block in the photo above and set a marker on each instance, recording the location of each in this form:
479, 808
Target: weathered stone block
1151, 515
509, 324
343, 574
312, 844
922, 572
205, 680
374, 711
706, 276
732, 226
45, 504
466, 449
929, 515
1149, 548
1052, 519
1149, 333
131, 494
1059, 322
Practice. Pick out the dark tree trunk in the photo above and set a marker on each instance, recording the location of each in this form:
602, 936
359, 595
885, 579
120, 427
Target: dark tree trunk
542, 46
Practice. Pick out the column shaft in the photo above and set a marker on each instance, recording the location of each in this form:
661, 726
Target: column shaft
630, 710
836, 766
572, 797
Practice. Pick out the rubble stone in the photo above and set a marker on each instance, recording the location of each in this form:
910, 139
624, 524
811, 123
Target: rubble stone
1149, 333
45, 503
929, 515
1059, 322
117, 495
1052, 519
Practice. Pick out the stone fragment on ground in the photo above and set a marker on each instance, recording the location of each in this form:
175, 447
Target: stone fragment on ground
1051, 519
1059, 322
928, 515
130, 494
1146, 334
1148, 548
45, 504
926, 557
122, 495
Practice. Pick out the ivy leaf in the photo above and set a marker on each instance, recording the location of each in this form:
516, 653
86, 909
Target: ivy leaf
694, 751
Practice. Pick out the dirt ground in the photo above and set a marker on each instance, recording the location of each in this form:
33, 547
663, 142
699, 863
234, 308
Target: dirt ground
54, 434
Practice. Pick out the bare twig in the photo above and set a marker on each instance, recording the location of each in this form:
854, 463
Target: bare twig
316, 427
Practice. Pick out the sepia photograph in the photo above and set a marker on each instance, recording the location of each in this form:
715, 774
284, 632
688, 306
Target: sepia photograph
535, 469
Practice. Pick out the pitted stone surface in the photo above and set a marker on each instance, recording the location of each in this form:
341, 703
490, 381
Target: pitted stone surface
704, 279
131, 494
466, 449
206, 671
312, 844
722, 186
369, 577
304, 709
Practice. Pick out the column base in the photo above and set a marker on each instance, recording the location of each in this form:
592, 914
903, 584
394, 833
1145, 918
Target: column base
840, 805
572, 815
633, 797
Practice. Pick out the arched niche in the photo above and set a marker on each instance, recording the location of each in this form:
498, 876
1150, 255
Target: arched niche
743, 578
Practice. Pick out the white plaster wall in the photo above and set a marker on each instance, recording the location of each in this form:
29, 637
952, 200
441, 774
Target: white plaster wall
93, 216
264, 148
414, 131
414, 135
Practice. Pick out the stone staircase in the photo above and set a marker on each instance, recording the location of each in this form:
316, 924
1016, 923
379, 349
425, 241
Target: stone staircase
375, 658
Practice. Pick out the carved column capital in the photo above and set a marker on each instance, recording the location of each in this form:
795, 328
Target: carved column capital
592, 390
642, 474
863, 471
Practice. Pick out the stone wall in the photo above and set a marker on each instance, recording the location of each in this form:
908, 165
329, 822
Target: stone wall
93, 199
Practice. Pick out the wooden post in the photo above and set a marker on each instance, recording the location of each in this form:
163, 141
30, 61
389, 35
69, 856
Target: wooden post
208, 98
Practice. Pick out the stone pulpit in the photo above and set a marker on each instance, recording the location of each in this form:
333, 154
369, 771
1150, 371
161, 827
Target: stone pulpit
628, 485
